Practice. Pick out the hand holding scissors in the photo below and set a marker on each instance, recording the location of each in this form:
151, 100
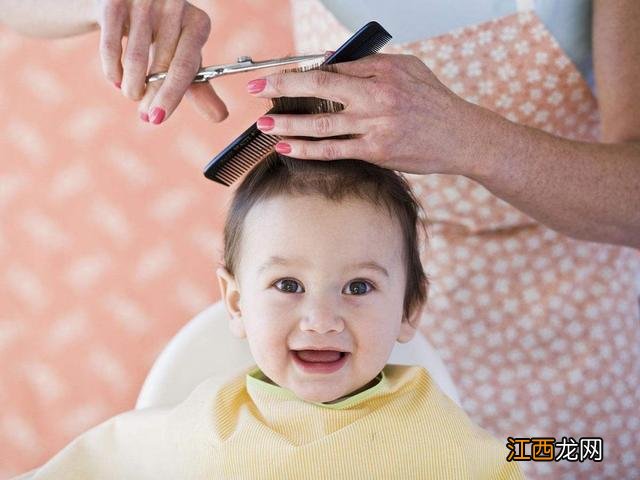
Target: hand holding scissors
244, 64
162, 36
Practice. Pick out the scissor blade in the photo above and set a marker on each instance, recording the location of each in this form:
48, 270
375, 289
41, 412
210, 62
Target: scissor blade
206, 74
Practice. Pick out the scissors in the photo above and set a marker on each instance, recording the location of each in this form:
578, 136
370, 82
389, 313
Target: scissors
244, 64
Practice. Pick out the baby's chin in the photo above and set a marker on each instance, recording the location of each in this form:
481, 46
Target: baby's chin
319, 397
329, 397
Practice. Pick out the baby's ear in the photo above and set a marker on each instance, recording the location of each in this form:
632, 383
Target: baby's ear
230, 292
409, 325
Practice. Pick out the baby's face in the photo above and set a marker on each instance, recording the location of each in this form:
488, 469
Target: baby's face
316, 274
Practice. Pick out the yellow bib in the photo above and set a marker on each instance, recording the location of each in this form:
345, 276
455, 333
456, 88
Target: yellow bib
402, 427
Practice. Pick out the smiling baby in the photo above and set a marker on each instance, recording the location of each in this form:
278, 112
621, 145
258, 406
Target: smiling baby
323, 272
322, 276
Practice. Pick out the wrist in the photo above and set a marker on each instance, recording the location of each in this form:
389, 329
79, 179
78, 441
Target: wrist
491, 141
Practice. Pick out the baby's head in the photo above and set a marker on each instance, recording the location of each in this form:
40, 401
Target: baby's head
323, 255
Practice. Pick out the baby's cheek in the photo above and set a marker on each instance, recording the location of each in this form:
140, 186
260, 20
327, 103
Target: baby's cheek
271, 320
276, 304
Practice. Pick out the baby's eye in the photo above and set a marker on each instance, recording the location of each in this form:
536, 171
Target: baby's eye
358, 287
288, 285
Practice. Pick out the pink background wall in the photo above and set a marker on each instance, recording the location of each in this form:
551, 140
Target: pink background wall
109, 233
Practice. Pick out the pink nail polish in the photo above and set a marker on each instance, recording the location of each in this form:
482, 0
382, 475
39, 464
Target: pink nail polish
157, 115
265, 123
144, 117
256, 86
118, 84
282, 147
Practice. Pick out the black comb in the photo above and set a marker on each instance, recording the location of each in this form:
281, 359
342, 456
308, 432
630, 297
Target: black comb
253, 145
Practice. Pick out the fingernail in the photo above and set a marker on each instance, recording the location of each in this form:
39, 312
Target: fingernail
256, 86
282, 147
144, 117
157, 115
265, 123
118, 84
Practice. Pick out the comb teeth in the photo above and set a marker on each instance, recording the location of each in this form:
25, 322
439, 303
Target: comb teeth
253, 145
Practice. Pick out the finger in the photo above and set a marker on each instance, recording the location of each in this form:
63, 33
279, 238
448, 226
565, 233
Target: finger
322, 149
136, 55
207, 102
314, 83
112, 28
163, 50
383, 64
366, 67
318, 125
185, 63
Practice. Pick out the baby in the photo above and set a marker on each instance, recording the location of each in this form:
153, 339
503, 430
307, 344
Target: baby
322, 276
322, 264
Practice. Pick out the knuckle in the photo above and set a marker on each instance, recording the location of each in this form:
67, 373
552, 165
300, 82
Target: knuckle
330, 151
276, 81
322, 125
198, 23
284, 124
160, 65
302, 149
415, 60
175, 7
374, 145
379, 149
379, 139
412, 62
183, 68
385, 93
110, 47
202, 22
112, 7
136, 55
320, 79
141, 11
401, 58
392, 97
386, 64
391, 124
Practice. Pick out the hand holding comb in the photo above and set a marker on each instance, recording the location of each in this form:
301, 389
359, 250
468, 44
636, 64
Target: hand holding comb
252, 146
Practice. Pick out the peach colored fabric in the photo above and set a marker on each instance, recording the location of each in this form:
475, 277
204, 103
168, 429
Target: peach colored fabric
540, 332
109, 232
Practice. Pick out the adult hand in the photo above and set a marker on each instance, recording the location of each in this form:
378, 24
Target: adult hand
398, 112
163, 35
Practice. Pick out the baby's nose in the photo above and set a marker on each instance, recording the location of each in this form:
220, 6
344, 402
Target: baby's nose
322, 315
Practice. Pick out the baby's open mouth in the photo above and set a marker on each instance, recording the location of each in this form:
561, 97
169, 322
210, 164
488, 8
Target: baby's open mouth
320, 362
319, 356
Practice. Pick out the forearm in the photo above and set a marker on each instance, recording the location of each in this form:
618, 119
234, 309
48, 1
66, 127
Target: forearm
588, 191
49, 18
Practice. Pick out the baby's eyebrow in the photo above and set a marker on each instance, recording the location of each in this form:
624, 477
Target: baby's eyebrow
276, 260
371, 265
